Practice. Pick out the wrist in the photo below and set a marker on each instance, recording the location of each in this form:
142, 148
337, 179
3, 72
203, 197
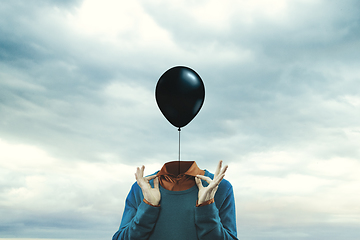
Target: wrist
151, 204
200, 204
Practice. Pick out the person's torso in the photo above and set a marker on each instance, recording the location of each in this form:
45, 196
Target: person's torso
176, 220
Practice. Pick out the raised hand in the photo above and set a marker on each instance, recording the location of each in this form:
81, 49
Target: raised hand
207, 193
152, 195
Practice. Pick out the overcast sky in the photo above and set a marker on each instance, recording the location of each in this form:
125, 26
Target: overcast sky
78, 112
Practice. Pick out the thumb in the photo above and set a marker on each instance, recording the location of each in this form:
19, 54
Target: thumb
156, 183
198, 182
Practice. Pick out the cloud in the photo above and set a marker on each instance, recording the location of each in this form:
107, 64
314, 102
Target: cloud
291, 195
40, 192
78, 113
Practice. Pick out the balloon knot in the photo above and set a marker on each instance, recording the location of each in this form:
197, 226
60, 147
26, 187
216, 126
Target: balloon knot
179, 129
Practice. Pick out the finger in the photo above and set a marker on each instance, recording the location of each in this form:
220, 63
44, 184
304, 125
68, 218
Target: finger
217, 171
207, 179
198, 183
218, 179
142, 170
156, 182
139, 176
139, 180
137, 173
224, 169
149, 177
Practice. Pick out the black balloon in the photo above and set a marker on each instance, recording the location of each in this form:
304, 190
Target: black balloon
180, 94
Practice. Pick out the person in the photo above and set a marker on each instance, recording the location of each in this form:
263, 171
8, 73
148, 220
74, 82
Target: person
181, 202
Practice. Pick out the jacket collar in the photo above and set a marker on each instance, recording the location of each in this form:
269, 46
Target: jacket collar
189, 168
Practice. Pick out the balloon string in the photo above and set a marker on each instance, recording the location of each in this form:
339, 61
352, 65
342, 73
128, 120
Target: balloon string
179, 151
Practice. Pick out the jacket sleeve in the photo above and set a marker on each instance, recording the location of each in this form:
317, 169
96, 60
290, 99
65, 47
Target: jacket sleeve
215, 223
138, 219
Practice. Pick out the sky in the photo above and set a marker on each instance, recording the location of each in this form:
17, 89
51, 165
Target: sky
78, 112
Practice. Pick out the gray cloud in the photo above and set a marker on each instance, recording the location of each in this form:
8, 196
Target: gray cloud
281, 81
